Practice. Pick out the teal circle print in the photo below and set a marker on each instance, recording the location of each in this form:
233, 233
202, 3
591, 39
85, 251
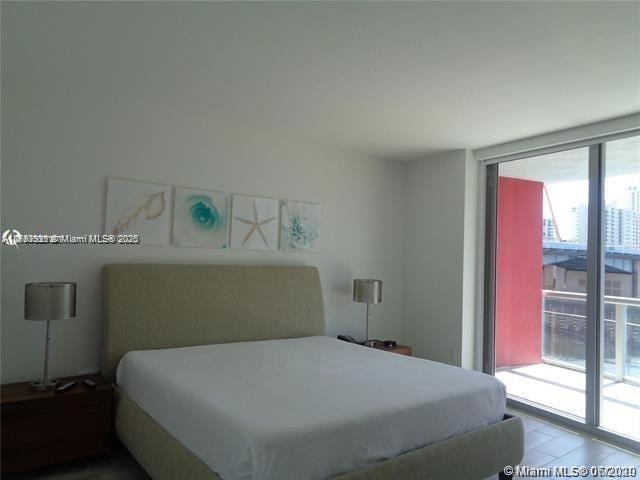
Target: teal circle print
203, 213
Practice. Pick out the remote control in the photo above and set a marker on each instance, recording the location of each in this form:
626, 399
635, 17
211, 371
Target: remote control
89, 384
65, 387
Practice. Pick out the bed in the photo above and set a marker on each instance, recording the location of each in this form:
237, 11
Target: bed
321, 414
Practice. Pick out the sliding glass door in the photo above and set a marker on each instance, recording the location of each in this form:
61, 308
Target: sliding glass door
541, 278
562, 272
620, 359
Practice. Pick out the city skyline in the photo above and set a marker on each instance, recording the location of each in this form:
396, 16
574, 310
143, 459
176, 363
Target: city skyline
569, 202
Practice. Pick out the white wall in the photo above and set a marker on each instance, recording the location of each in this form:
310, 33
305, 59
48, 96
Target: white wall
470, 333
439, 261
79, 105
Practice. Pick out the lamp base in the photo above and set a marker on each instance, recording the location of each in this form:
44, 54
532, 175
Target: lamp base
369, 343
42, 385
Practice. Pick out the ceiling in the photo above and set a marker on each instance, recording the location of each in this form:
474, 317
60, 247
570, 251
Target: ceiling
389, 79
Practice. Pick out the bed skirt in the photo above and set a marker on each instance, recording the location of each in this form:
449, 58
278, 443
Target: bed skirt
471, 456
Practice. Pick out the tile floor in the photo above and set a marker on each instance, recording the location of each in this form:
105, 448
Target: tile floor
549, 445
546, 444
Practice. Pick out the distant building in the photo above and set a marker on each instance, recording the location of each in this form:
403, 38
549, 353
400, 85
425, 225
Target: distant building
629, 228
624, 259
548, 230
634, 199
622, 225
580, 224
612, 231
571, 276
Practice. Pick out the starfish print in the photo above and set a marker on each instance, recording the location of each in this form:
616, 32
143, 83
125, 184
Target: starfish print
255, 225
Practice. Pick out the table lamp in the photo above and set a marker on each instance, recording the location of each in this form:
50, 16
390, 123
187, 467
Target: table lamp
367, 291
48, 301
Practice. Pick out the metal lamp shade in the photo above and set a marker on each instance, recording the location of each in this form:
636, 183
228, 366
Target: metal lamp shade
367, 291
49, 301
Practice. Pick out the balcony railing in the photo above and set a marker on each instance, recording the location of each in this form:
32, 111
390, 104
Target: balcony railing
564, 330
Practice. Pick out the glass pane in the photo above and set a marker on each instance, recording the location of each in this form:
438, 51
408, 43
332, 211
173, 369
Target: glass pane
541, 279
620, 411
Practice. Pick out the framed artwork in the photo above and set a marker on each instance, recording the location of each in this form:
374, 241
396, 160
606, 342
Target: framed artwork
199, 218
254, 223
138, 208
299, 226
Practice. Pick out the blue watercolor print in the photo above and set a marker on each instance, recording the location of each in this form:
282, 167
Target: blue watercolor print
300, 233
203, 212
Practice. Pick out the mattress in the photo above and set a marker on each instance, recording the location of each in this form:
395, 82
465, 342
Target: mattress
305, 408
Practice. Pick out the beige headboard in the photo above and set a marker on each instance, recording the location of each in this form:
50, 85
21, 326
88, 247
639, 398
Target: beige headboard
150, 306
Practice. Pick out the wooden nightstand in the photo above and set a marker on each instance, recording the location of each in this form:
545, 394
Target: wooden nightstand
401, 349
45, 428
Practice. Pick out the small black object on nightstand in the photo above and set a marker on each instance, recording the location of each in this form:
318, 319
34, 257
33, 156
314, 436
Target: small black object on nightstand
89, 384
65, 387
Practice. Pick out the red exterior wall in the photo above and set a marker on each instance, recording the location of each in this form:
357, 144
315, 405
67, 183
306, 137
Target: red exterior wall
519, 272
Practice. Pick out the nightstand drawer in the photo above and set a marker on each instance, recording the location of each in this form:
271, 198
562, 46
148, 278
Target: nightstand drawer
43, 428
55, 437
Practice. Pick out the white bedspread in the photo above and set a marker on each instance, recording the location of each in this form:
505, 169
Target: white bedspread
306, 408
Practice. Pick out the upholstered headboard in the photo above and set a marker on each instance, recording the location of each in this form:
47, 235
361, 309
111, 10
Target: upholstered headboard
150, 306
